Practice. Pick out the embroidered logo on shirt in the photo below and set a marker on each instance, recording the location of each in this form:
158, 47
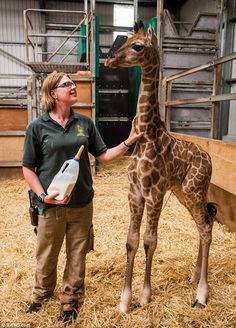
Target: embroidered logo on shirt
80, 132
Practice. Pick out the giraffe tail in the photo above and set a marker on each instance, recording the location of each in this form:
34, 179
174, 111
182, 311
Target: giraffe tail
212, 209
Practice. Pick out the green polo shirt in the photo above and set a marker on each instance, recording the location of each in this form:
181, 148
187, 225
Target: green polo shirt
48, 145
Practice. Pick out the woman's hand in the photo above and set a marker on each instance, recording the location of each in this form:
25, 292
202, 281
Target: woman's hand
116, 152
134, 135
50, 199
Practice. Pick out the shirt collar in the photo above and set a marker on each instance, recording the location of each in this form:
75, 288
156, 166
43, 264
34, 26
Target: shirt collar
46, 117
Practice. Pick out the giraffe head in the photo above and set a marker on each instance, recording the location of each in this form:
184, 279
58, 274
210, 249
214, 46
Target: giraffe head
140, 49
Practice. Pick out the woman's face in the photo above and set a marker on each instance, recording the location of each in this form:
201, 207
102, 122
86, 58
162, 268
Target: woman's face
65, 91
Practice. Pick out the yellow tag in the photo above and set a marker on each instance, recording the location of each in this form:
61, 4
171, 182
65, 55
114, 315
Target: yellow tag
80, 132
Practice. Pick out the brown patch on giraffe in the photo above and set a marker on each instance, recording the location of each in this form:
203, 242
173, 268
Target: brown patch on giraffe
150, 74
156, 120
149, 87
161, 185
133, 177
150, 152
151, 131
145, 81
145, 166
146, 182
152, 99
154, 193
143, 99
155, 176
148, 69
165, 140
197, 162
146, 117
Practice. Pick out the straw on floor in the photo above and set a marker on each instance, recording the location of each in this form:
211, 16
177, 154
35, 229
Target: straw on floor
174, 259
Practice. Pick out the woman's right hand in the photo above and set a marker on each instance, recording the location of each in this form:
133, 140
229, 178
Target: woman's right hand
50, 199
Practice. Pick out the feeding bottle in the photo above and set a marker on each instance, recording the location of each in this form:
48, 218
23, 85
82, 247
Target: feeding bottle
65, 180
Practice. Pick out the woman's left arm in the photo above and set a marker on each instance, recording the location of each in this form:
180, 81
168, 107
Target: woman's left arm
114, 153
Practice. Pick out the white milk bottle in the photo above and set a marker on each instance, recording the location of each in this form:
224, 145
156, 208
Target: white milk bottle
65, 180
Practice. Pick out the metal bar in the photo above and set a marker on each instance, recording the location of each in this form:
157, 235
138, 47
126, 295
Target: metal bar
10, 102
12, 133
160, 38
83, 104
114, 119
162, 97
212, 63
135, 10
194, 42
62, 44
13, 76
29, 21
168, 109
187, 51
55, 11
188, 46
74, 77
13, 57
56, 35
114, 91
61, 26
192, 127
59, 53
69, 52
10, 164
25, 35
216, 105
187, 38
86, 6
229, 96
12, 43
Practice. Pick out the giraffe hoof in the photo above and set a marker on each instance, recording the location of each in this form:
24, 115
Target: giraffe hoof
198, 305
124, 308
193, 281
136, 305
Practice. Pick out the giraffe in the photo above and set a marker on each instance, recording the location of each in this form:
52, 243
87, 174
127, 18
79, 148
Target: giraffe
160, 162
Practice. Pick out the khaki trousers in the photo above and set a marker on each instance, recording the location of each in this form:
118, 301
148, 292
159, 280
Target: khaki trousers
75, 224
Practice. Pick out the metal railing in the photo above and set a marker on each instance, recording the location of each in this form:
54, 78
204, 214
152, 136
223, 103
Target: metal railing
50, 45
215, 98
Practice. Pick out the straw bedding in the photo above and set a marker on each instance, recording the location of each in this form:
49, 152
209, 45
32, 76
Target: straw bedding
170, 306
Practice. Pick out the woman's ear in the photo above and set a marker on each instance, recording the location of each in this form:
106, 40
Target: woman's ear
53, 94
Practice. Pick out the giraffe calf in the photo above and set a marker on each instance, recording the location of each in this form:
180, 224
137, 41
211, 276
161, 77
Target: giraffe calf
159, 163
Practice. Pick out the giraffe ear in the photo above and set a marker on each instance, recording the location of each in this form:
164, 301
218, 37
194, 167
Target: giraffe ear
152, 36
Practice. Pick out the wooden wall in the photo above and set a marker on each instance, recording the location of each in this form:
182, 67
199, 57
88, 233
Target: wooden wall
14, 121
13, 124
222, 189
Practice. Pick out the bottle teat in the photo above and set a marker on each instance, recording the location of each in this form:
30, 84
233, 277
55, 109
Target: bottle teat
77, 156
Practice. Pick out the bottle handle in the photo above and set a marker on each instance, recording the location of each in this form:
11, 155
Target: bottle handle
77, 156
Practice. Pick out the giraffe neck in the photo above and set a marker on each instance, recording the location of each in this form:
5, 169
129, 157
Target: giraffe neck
148, 106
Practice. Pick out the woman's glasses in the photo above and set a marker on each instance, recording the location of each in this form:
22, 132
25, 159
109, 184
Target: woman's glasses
68, 84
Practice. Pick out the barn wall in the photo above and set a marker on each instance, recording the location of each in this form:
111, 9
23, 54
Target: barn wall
191, 7
12, 39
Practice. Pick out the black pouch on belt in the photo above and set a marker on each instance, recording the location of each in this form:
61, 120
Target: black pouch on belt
33, 210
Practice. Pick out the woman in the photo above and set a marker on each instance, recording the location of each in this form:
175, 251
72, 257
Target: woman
50, 140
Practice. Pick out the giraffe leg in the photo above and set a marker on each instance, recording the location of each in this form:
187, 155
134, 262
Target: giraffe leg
205, 231
136, 210
150, 243
197, 270
202, 290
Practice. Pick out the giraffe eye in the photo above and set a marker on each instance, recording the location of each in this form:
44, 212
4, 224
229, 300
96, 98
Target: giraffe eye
137, 47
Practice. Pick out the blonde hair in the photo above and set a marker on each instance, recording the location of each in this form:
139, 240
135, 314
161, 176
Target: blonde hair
50, 83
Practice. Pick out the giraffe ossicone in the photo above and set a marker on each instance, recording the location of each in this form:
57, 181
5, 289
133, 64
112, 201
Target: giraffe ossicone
160, 163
